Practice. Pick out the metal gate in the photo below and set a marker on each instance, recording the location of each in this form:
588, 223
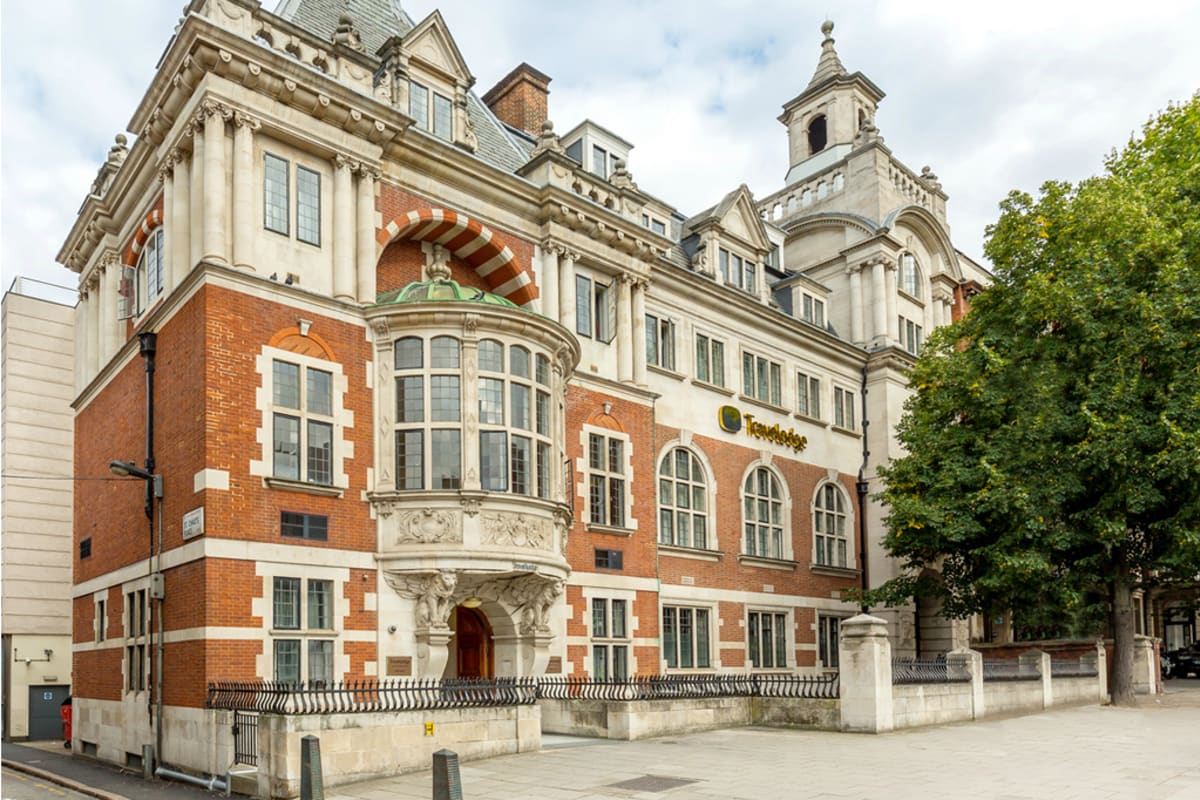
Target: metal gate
245, 738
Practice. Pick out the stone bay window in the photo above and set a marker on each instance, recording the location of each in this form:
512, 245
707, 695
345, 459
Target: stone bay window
469, 491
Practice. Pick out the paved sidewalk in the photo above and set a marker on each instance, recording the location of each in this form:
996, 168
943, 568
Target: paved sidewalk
1087, 753
91, 777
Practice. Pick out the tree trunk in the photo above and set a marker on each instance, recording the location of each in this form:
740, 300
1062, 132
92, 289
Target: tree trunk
1121, 680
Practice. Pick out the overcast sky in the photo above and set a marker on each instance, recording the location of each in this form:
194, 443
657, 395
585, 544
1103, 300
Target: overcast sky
992, 96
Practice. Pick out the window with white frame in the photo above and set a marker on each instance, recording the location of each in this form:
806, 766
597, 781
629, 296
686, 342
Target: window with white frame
660, 342
101, 620
828, 629
843, 408
910, 276
767, 638
911, 336
737, 271
682, 500
829, 526
762, 379
762, 513
429, 412
812, 309
710, 360
603, 163
137, 644
595, 309
606, 479
148, 280
302, 422
686, 637
431, 110
610, 639
808, 395
277, 184
302, 628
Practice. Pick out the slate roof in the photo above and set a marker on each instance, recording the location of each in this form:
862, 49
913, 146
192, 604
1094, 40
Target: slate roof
379, 20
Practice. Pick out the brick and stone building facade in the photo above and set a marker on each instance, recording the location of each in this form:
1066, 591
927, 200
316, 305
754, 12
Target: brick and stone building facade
439, 392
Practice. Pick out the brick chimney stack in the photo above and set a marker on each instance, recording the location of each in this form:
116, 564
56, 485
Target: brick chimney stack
519, 99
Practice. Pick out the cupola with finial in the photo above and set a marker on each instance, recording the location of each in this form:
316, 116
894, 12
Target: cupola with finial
823, 120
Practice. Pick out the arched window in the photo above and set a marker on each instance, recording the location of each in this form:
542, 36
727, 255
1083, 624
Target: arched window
762, 504
682, 500
829, 526
910, 276
816, 135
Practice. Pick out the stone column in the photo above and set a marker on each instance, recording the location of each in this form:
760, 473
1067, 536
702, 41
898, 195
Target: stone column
471, 480
365, 227
1037, 661
889, 271
1145, 666
214, 244
343, 231
878, 303
196, 199
166, 176
548, 260
244, 217
94, 328
110, 331
179, 222
856, 304
82, 325
385, 409
1102, 669
566, 288
948, 310
639, 334
865, 659
624, 328
560, 367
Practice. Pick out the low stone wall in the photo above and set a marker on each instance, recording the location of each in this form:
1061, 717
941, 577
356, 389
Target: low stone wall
1004, 697
357, 747
1076, 690
931, 704
643, 719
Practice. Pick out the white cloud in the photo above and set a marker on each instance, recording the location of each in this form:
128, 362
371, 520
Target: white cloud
992, 97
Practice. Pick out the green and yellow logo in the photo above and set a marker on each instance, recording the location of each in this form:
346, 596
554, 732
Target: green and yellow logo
730, 419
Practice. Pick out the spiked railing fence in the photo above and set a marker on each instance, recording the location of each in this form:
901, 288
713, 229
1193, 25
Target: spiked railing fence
422, 695
948, 669
1007, 669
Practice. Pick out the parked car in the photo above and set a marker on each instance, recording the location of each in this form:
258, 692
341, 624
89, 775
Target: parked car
1182, 662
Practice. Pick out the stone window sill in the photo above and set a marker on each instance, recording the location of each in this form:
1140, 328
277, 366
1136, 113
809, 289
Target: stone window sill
810, 420
670, 373
846, 431
304, 488
754, 401
697, 553
832, 571
712, 387
767, 563
611, 530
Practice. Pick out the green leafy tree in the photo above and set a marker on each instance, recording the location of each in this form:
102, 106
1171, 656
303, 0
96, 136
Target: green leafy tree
1053, 440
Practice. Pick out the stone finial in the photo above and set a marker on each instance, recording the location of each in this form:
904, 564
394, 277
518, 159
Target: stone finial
547, 141
867, 133
117, 153
346, 34
620, 176
930, 179
828, 65
439, 264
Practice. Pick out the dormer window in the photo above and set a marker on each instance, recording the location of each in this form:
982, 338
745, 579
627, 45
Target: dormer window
737, 271
817, 137
431, 111
812, 310
603, 162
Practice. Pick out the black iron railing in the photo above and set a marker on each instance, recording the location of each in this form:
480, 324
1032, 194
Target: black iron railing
245, 738
943, 669
1008, 669
1073, 668
422, 695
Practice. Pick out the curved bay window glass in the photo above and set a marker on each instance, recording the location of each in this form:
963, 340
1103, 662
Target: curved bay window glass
910, 276
762, 501
428, 413
682, 500
829, 526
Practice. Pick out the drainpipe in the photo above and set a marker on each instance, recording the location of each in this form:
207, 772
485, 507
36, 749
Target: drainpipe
148, 345
863, 488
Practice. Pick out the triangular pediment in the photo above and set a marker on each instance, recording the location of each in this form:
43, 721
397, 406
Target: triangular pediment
431, 44
737, 216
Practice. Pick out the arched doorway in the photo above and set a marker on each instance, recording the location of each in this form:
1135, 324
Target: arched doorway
473, 651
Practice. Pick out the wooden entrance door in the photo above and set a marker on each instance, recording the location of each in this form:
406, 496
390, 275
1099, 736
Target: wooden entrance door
473, 637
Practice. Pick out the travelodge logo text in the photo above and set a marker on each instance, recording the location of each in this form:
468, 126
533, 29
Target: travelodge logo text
730, 419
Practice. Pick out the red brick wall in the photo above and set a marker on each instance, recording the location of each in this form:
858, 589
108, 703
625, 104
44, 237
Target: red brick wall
401, 264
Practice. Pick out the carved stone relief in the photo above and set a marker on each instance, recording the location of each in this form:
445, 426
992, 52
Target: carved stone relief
516, 530
427, 526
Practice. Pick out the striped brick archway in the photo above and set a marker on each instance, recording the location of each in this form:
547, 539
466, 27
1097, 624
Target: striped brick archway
152, 221
469, 240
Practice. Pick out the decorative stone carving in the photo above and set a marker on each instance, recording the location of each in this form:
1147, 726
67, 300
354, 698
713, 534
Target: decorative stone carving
516, 530
548, 141
347, 35
434, 593
427, 526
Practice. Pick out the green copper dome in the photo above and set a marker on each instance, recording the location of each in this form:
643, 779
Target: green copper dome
440, 290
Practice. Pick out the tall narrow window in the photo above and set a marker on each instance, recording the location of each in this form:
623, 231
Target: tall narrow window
843, 408
303, 423
685, 637
910, 276
808, 395
682, 500
583, 306
767, 639
710, 360
150, 271
275, 194
660, 342
418, 105
829, 526
308, 206
762, 379
300, 610
828, 629
762, 501
610, 640
442, 117
606, 480
428, 413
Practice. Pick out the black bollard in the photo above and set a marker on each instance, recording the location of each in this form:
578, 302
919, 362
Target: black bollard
312, 781
447, 785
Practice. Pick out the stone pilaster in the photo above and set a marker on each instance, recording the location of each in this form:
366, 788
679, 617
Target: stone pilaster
344, 283
857, 306
243, 190
639, 333
214, 239
624, 328
365, 228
